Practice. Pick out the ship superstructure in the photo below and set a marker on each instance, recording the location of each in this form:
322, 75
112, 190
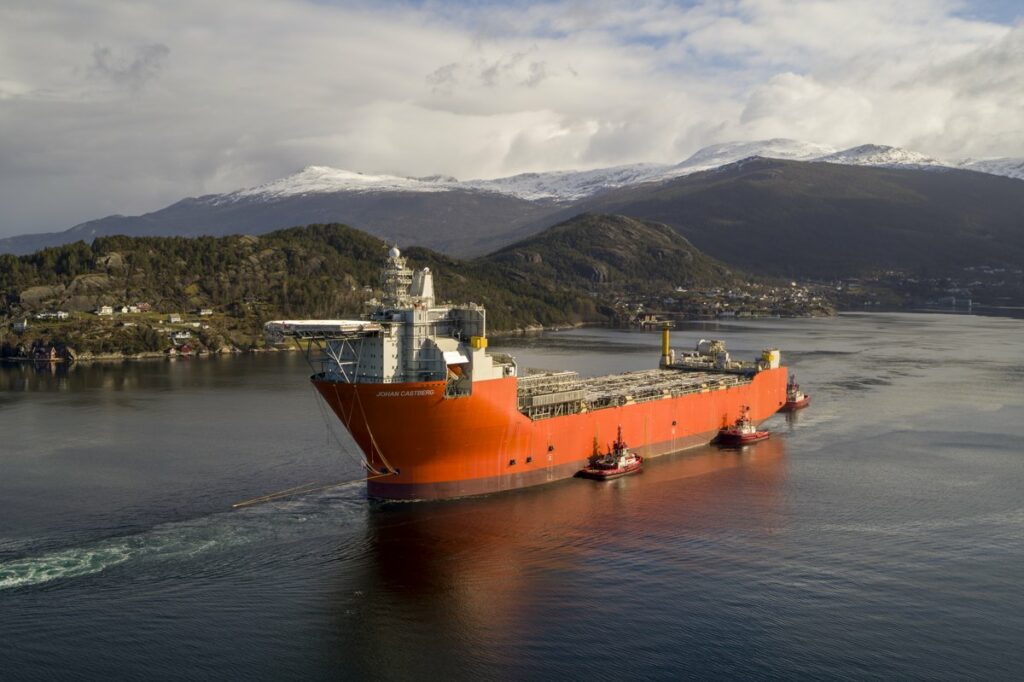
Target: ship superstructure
409, 338
438, 415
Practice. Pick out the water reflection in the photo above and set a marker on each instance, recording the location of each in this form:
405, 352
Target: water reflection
477, 571
31, 376
792, 418
149, 374
59, 377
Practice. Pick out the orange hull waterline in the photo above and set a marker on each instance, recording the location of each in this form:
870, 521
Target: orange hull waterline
482, 444
483, 428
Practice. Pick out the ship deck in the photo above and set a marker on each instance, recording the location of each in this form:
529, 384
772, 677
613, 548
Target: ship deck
553, 394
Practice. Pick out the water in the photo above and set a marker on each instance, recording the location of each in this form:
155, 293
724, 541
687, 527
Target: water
878, 534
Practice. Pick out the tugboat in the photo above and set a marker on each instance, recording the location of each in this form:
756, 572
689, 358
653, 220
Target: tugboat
795, 398
618, 462
742, 432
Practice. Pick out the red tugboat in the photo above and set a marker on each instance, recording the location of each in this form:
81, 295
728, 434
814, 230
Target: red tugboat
742, 432
795, 398
618, 462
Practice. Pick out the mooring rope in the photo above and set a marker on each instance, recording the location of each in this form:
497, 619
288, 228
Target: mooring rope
322, 405
307, 488
369, 431
300, 490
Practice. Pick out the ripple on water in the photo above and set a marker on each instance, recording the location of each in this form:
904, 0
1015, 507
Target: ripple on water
181, 541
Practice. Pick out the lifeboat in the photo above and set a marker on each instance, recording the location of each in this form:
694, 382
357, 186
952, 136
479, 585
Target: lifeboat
618, 462
742, 432
795, 398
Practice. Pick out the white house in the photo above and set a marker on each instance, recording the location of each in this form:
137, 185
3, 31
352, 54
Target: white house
105, 310
174, 318
51, 315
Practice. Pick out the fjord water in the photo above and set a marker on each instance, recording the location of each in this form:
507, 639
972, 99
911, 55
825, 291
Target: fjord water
878, 534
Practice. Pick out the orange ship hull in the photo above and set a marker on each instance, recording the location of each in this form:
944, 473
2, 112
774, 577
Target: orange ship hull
443, 448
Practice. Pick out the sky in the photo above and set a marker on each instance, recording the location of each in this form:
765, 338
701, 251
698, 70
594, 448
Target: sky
124, 107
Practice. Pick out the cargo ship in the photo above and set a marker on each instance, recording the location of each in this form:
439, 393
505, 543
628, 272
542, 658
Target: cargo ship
437, 415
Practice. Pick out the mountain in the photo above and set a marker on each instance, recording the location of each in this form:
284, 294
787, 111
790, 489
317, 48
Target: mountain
1009, 167
457, 221
558, 186
822, 219
571, 185
568, 186
884, 156
462, 218
592, 249
326, 180
718, 155
580, 267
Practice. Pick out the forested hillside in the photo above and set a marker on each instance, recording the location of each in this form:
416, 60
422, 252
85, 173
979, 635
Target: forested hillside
224, 288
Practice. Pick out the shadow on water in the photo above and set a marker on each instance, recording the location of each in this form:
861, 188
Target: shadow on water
454, 588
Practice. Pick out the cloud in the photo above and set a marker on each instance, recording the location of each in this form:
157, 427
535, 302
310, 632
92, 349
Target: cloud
133, 69
538, 72
502, 71
800, 107
443, 79
970, 103
133, 105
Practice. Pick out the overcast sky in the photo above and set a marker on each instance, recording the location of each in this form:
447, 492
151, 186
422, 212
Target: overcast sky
123, 107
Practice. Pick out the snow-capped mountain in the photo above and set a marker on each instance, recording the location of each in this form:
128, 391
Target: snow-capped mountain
717, 155
555, 185
573, 185
1007, 166
883, 155
470, 215
324, 179
559, 186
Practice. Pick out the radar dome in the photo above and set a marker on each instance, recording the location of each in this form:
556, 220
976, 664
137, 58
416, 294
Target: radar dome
394, 252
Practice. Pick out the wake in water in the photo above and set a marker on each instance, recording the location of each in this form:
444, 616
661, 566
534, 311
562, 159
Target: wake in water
182, 540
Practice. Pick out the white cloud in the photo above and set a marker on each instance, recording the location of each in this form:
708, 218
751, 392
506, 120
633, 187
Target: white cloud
800, 107
125, 106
